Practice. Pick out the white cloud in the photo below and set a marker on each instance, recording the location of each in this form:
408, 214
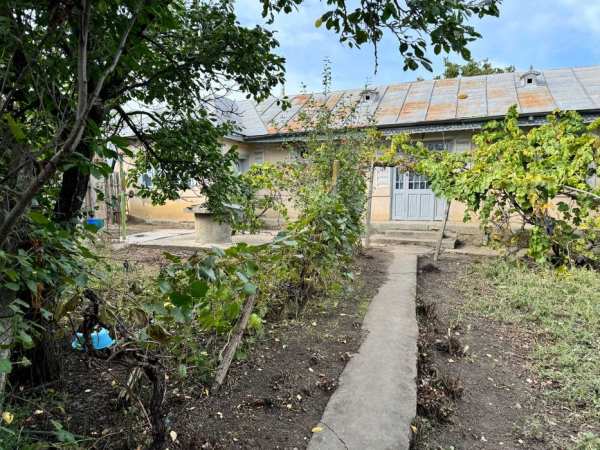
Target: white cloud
584, 13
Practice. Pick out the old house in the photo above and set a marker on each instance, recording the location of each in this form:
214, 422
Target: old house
443, 114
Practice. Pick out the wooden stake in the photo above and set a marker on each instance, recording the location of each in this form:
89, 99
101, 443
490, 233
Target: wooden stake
334, 175
369, 206
442, 231
123, 200
234, 342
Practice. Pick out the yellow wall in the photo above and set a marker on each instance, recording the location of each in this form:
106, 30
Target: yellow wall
174, 211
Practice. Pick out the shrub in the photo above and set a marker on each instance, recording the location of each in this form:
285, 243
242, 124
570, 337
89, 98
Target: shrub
538, 178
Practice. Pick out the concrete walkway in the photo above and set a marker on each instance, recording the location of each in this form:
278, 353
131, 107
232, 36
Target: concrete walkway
185, 238
375, 403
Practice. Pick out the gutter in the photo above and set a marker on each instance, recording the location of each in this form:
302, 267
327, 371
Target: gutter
532, 119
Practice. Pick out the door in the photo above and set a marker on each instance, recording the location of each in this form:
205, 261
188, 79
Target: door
412, 199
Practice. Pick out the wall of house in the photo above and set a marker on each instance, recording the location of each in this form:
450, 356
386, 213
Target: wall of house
174, 211
255, 153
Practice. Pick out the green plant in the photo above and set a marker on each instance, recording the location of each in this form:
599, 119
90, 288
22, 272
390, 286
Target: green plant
41, 282
536, 180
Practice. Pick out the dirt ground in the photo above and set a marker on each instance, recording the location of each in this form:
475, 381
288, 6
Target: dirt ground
476, 390
272, 398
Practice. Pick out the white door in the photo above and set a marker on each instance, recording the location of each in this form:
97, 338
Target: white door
412, 199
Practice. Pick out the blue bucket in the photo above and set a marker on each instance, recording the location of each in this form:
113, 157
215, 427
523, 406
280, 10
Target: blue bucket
98, 223
100, 339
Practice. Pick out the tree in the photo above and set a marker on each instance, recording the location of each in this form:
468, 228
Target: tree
528, 188
472, 68
75, 73
179, 56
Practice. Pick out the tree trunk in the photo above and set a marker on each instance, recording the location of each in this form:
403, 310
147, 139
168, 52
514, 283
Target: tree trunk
75, 182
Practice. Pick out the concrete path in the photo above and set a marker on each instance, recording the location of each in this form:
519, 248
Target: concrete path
375, 403
181, 237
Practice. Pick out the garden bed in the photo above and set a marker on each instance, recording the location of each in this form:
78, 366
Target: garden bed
275, 393
497, 362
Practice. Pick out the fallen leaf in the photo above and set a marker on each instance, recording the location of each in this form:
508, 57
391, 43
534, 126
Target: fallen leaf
317, 429
8, 417
173, 435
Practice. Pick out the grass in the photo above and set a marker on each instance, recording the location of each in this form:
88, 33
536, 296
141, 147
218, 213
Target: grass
561, 309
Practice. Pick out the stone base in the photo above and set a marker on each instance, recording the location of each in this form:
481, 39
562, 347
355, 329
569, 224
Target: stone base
208, 231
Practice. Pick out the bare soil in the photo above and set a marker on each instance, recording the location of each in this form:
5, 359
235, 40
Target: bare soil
271, 400
475, 386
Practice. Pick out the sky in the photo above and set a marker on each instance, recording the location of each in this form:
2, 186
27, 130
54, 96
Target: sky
543, 33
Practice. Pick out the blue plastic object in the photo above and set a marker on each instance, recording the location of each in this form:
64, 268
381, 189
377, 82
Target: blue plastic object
100, 339
98, 223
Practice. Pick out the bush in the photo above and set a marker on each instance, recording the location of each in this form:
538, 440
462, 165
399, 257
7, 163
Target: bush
537, 178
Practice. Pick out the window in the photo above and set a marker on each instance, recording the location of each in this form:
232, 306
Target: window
242, 165
416, 181
382, 176
369, 95
399, 183
259, 157
145, 179
532, 78
437, 145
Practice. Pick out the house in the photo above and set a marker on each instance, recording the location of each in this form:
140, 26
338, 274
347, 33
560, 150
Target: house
443, 114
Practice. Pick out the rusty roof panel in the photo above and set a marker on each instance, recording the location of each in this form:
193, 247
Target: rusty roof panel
442, 105
567, 92
296, 104
589, 77
471, 98
391, 104
501, 93
269, 115
343, 109
534, 98
308, 112
416, 103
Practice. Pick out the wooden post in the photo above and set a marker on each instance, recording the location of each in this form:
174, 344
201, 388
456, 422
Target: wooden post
442, 231
334, 175
369, 206
106, 201
123, 200
234, 342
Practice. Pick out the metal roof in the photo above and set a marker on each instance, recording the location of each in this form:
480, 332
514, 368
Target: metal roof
425, 103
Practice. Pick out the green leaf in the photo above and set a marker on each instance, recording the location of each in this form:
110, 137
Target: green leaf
32, 285
5, 365
15, 127
251, 268
39, 218
199, 288
249, 289
180, 300
165, 286
12, 286
173, 258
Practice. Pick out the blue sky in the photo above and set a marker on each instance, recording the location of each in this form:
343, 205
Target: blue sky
542, 33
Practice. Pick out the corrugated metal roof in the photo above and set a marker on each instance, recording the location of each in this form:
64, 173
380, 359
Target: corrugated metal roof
431, 101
